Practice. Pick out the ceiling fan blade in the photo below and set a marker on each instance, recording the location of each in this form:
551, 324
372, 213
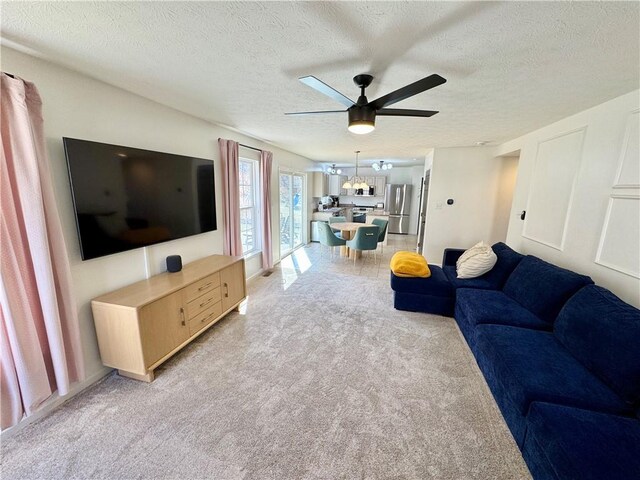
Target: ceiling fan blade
314, 113
408, 91
325, 89
403, 112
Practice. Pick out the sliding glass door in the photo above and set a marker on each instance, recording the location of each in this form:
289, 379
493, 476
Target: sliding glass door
291, 211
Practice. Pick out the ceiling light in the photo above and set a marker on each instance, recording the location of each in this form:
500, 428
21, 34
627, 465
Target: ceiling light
381, 165
362, 120
333, 170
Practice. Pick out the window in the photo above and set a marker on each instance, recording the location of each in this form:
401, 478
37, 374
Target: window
249, 211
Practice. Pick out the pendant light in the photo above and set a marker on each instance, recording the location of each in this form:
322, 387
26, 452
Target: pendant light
355, 182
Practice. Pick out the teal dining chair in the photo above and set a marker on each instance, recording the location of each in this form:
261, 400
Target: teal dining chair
366, 238
328, 238
383, 230
333, 220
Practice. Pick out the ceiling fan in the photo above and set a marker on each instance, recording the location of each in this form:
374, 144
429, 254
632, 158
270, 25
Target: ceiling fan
362, 114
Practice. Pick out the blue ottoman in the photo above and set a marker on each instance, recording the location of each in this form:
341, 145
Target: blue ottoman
434, 294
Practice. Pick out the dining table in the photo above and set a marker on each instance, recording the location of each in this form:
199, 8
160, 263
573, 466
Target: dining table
348, 230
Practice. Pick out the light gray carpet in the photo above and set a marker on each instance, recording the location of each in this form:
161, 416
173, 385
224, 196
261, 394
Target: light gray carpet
322, 380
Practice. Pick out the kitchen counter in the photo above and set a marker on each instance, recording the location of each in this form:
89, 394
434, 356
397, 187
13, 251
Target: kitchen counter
330, 210
323, 216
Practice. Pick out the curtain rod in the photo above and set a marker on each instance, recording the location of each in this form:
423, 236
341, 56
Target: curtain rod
251, 148
246, 146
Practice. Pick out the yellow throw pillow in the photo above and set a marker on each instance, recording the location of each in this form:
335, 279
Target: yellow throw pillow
409, 264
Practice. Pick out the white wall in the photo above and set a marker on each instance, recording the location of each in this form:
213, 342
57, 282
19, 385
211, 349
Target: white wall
471, 176
608, 132
77, 106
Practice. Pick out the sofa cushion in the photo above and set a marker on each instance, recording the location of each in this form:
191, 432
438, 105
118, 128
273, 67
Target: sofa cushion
603, 333
564, 442
480, 282
437, 284
476, 307
543, 288
414, 302
495, 278
525, 365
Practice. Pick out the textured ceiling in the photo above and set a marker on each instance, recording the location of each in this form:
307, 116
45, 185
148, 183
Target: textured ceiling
511, 67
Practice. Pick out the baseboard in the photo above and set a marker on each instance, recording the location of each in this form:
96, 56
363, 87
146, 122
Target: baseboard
256, 275
54, 402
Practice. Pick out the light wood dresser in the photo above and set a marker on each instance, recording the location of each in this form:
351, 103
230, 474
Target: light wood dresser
142, 325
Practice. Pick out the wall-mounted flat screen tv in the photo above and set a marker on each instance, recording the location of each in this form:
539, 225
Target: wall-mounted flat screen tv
126, 198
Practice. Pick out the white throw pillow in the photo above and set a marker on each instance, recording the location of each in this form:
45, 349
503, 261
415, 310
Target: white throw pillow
476, 261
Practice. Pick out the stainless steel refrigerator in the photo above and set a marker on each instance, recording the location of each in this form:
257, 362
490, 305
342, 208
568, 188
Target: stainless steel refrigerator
397, 200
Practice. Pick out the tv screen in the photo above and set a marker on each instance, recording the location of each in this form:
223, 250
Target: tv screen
126, 198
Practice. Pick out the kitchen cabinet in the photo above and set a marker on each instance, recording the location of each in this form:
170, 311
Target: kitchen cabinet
321, 216
371, 181
380, 184
320, 184
335, 184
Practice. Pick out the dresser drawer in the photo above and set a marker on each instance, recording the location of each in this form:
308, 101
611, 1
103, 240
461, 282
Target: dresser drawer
201, 287
205, 318
200, 304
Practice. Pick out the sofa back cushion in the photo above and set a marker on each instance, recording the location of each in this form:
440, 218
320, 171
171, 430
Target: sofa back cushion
494, 279
603, 333
508, 260
543, 288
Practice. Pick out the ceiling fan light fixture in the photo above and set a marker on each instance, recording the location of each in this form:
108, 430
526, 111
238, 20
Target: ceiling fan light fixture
361, 127
362, 119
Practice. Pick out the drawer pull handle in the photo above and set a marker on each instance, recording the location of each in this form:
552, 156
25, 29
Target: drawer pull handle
183, 321
207, 318
204, 286
204, 303
226, 290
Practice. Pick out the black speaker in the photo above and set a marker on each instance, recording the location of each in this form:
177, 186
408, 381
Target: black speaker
174, 263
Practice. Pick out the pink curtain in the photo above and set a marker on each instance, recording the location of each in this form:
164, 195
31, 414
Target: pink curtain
266, 159
39, 333
231, 196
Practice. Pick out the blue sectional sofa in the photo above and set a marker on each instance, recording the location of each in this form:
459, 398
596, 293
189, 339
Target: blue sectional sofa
560, 355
